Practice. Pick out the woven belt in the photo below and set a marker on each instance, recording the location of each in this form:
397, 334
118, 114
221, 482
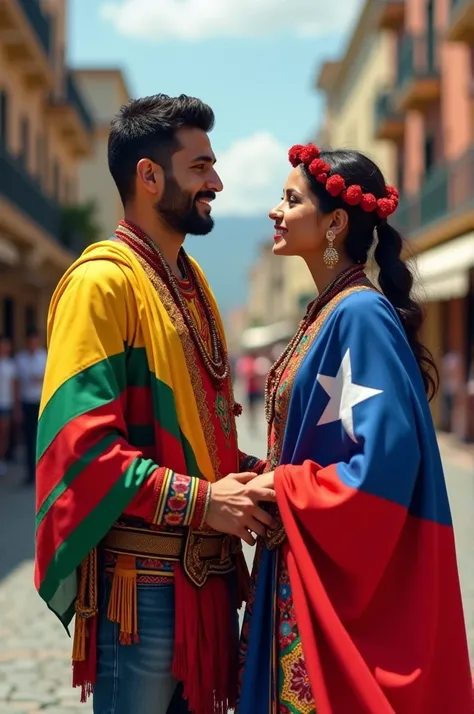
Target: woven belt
144, 543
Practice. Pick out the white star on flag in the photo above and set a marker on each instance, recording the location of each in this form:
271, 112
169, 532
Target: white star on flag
344, 395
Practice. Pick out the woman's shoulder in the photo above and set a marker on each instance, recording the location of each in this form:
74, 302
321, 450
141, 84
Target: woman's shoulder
366, 306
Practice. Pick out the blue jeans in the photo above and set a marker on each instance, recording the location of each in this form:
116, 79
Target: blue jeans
137, 678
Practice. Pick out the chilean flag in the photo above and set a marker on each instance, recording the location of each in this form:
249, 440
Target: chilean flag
370, 544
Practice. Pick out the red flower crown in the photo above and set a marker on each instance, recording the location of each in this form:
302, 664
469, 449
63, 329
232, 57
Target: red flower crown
353, 195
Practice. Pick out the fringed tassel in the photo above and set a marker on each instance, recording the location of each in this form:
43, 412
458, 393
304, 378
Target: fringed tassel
84, 650
206, 644
123, 599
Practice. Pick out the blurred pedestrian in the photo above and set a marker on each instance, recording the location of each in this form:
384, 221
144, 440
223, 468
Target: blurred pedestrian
31, 364
9, 407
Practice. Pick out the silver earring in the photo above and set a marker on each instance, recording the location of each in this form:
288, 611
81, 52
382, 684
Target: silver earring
330, 256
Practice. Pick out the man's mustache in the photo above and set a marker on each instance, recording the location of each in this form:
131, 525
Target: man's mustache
205, 194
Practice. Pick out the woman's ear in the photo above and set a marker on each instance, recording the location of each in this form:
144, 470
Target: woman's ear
339, 221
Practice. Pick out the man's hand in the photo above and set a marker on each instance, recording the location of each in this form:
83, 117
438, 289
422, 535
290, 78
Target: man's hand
234, 505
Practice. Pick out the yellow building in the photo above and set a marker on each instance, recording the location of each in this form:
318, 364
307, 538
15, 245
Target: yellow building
105, 91
45, 129
351, 86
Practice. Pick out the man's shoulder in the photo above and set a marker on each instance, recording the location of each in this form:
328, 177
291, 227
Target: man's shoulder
100, 277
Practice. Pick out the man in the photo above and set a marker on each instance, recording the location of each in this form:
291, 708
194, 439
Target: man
136, 430
9, 407
30, 371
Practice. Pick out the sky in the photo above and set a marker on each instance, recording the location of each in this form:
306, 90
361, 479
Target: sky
253, 61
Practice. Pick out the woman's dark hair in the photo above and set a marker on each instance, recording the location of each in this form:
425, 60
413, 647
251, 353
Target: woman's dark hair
395, 277
146, 129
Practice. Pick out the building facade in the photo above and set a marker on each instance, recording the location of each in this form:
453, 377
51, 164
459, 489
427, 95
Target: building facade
427, 114
350, 86
45, 130
105, 92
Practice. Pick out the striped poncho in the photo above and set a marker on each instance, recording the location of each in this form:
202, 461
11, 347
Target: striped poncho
119, 424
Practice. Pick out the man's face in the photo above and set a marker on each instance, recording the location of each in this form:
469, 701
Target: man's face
190, 185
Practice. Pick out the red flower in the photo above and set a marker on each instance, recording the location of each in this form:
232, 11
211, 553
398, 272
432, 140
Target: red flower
300, 683
322, 178
318, 166
177, 503
309, 153
294, 154
180, 478
180, 487
385, 207
174, 519
392, 192
352, 195
335, 185
368, 203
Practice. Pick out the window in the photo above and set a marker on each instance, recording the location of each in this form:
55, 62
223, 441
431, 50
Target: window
430, 152
30, 318
56, 181
40, 158
25, 141
3, 117
9, 318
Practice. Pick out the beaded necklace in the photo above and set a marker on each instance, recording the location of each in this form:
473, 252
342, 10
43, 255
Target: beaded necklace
216, 363
347, 277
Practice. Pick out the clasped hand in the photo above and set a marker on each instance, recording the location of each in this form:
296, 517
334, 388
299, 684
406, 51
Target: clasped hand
234, 506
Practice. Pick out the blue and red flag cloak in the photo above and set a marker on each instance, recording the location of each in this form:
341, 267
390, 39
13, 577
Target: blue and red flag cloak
370, 545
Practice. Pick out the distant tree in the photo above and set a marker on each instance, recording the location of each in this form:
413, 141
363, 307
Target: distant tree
79, 226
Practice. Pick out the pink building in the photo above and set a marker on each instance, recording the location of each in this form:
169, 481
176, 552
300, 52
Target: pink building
428, 112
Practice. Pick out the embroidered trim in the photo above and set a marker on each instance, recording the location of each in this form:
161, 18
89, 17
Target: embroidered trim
275, 538
179, 498
190, 357
201, 504
288, 378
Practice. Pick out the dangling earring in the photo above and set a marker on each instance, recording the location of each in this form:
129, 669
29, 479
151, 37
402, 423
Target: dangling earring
330, 256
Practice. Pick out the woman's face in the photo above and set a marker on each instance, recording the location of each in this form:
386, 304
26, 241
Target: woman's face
300, 228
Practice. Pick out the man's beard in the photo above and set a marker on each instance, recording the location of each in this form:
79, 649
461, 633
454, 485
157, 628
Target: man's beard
178, 210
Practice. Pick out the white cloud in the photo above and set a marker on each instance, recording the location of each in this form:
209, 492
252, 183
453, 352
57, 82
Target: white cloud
204, 19
254, 171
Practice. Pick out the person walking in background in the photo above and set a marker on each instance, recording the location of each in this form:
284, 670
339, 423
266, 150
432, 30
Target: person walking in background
31, 364
9, 406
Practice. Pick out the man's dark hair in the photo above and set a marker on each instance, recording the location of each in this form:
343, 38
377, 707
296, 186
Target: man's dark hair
146, 129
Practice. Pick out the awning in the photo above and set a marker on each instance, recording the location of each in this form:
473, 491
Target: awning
254, 338
442, 273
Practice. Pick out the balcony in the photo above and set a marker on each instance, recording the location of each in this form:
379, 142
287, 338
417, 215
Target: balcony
25, 33
390, 14
444, 206
20, 189
389, 123
72, 117
461, 22
418, 77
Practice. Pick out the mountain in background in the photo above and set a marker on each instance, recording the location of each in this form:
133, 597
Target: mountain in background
227, 254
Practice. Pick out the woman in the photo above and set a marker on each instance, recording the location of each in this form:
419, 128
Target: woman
356, 604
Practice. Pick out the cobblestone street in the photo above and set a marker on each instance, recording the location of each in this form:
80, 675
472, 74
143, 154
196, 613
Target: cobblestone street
35, 670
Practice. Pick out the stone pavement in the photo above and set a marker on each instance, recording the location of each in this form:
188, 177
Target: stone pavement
35, 672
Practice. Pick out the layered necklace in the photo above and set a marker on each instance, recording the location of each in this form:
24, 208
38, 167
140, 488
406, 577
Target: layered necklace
351, 276
215, 362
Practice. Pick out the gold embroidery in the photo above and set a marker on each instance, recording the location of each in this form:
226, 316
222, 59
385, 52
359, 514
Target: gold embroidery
275, 538
190, 357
